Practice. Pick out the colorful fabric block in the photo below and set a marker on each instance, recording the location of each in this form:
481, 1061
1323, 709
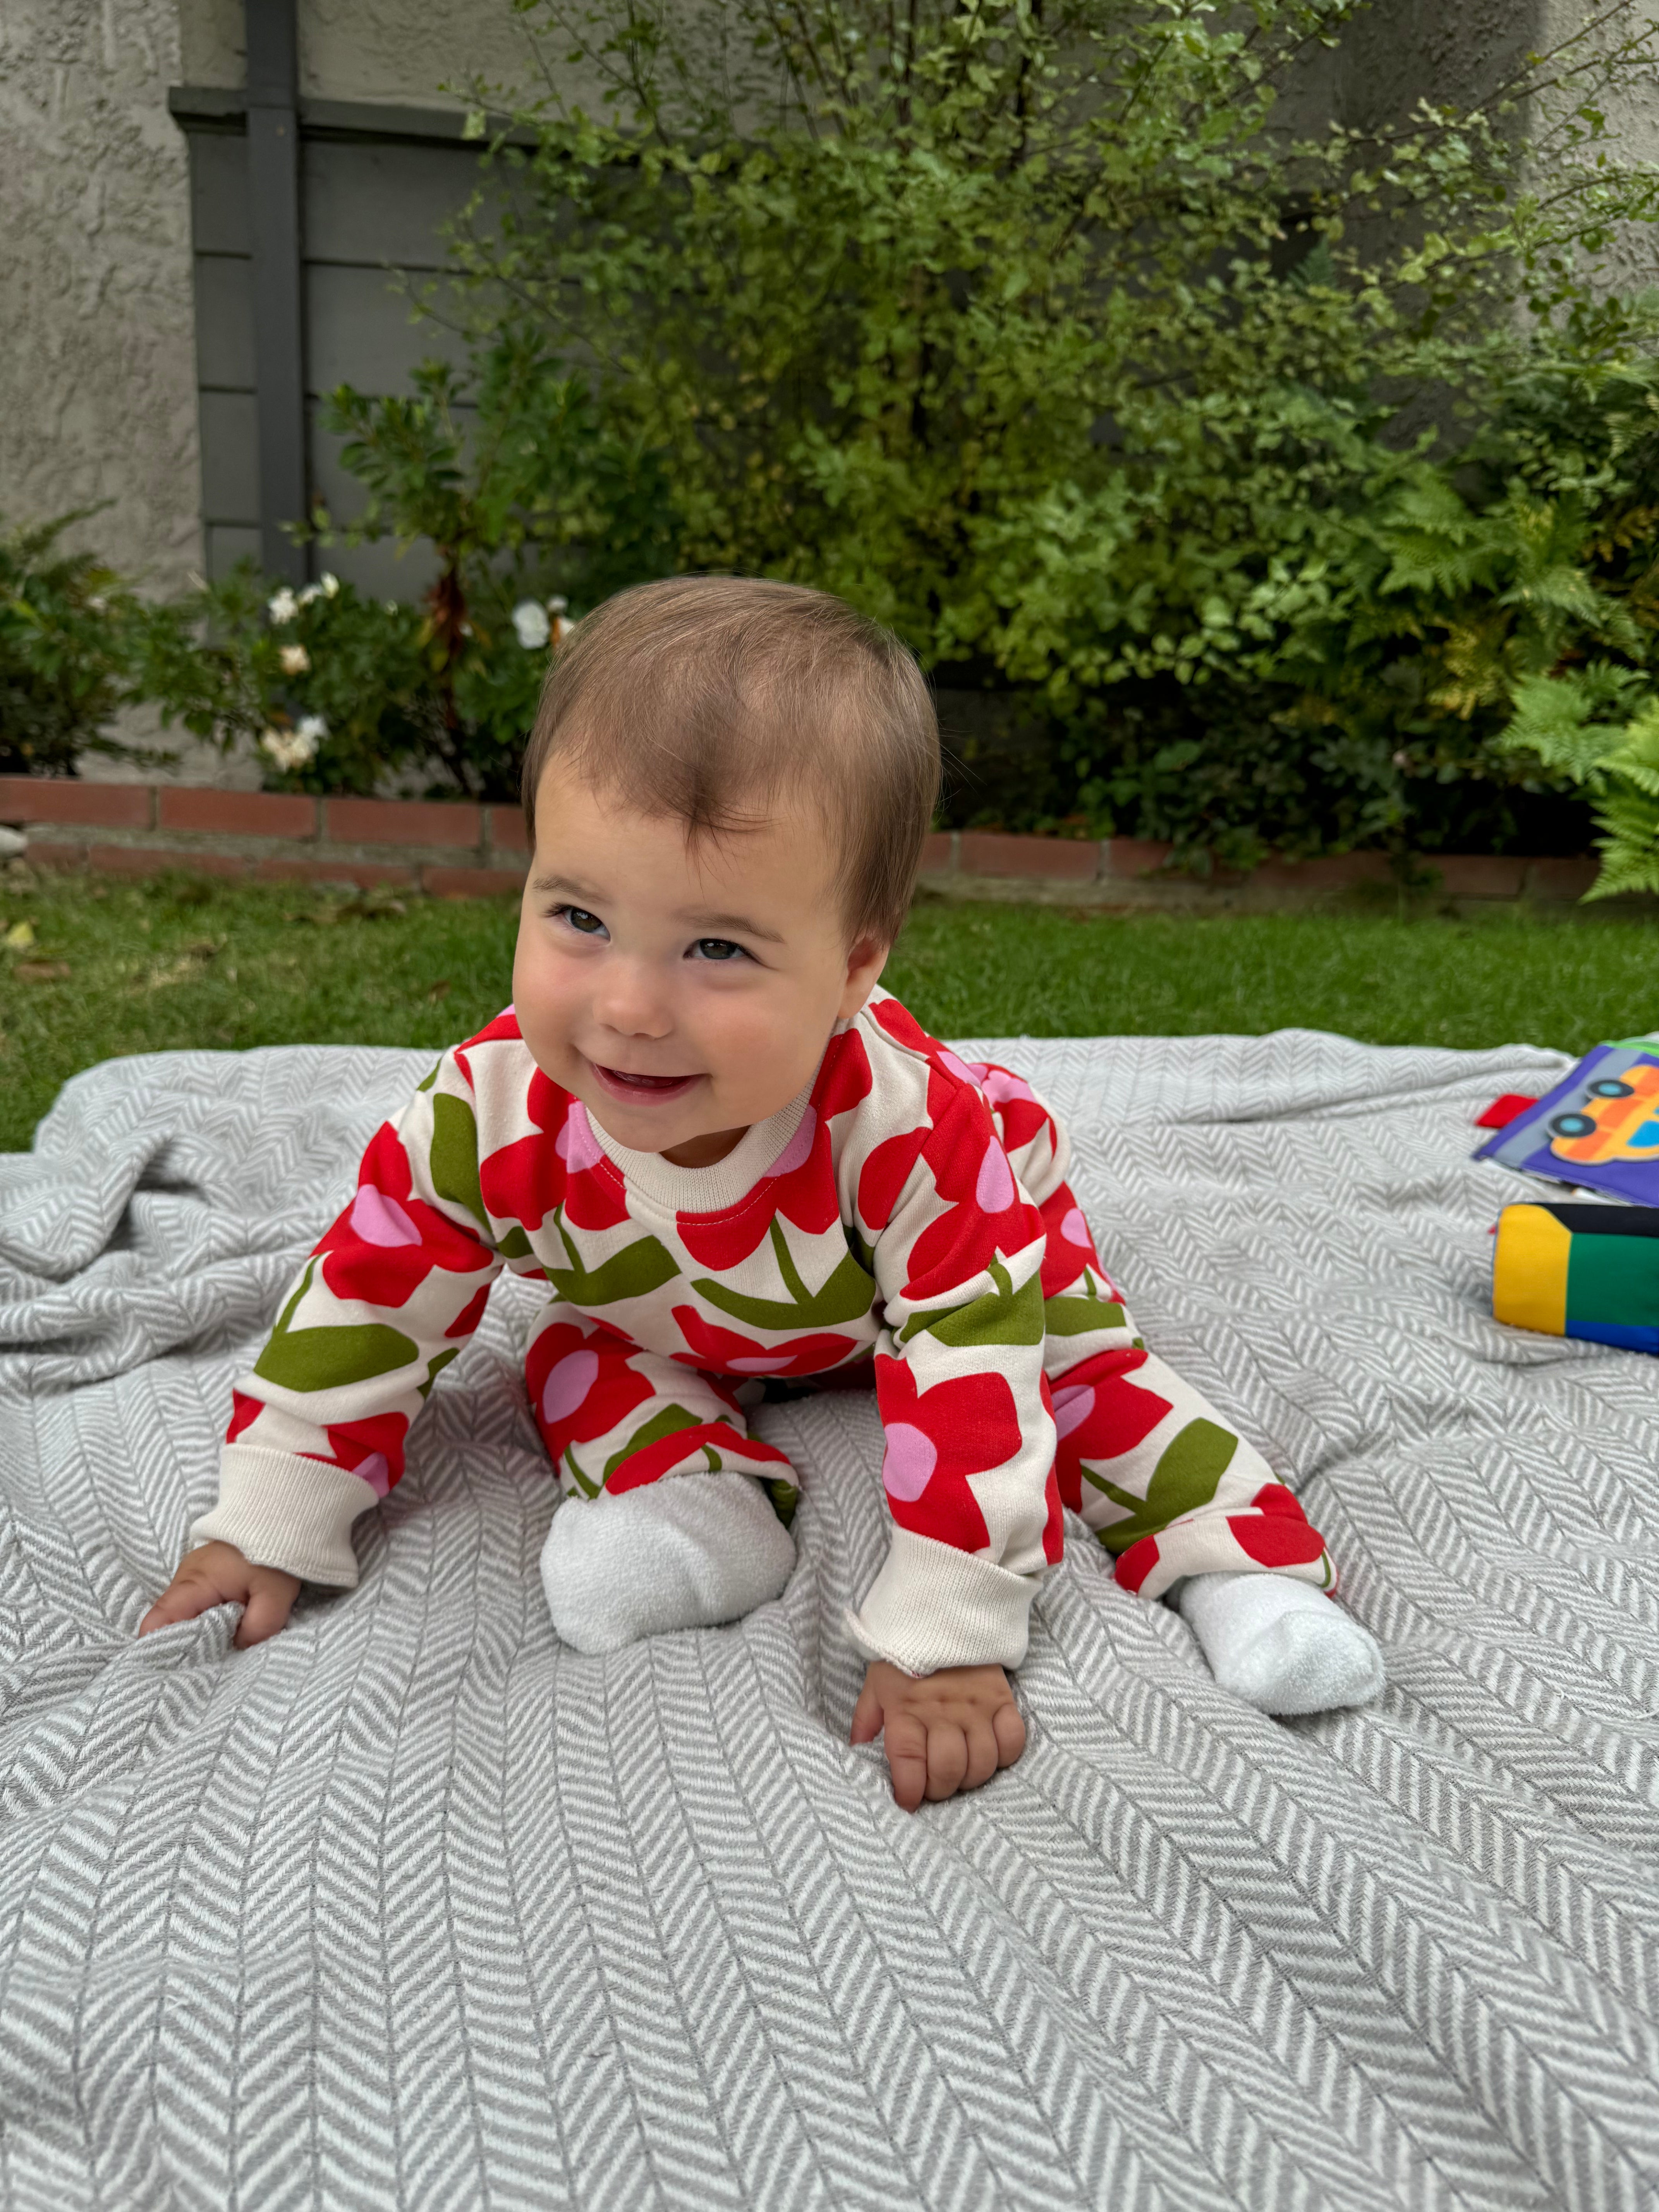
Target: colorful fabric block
1585, 1271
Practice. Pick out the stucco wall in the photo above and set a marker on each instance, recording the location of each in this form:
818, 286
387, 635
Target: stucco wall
97, 369
399, 51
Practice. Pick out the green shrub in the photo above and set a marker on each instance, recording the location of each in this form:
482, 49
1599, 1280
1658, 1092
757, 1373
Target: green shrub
68, 633
1034, 334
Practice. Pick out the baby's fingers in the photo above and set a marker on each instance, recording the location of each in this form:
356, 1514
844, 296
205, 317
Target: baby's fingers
270, 1602
947, 1759
907, 1760
180, 1601
983, 1757
1010, 1730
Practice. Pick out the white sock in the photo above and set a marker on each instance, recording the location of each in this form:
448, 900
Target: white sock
683, 1553
1280, 1645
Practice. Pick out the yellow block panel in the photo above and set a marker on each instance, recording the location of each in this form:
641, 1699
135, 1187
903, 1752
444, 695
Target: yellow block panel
1529, 1270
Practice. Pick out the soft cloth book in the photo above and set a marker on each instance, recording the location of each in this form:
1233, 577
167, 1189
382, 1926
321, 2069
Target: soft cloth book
1598, 1130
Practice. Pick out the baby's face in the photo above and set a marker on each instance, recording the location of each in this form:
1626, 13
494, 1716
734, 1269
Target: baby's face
683, 991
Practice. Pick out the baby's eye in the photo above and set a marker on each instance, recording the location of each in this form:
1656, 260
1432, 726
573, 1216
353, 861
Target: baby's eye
579, 918
718, 948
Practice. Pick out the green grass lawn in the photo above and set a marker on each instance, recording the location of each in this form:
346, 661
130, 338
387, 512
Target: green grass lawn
117, 967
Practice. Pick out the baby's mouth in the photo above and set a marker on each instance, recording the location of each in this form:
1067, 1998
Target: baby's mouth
637, 1089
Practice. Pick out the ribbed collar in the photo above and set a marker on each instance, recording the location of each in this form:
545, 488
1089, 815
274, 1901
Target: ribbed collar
712, 1190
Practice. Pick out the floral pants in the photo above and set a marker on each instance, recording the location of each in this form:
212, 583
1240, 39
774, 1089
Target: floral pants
1169, 1487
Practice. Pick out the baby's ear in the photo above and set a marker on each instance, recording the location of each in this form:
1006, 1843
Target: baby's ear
865, 958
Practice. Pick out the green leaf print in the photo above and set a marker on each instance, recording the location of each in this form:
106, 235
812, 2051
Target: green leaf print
667, 1423
583, 1481
846, 1295
784, 1496
1193, 1462
435, 1367
1081, 1316
639, 1268
1004, 1315
862, 1251
515, 1245
454, 1156
324, 1358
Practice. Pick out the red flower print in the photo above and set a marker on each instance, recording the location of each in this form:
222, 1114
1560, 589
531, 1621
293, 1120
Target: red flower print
900, 1023
653, 1461
1019, 1114
371, 1448
1069, 1248
1099, 1414
244, 1411
387, 1242
800, 1185
580, 1386
470, 1314
504, 1029
525, 1181
935, 1439
717, 1351
984, 1214
1276, 1534
843, 1079
883, 1175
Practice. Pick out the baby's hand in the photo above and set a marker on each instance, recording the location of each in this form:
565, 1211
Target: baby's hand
217, 1574
945, 1732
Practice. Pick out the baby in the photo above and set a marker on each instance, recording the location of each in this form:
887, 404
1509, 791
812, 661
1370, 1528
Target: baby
731, 1156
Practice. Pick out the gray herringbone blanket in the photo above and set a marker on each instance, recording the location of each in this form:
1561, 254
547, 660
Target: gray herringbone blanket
413, 1906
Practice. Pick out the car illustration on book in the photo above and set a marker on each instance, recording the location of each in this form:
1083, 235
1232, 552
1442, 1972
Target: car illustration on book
1617, 1120
1597, 1129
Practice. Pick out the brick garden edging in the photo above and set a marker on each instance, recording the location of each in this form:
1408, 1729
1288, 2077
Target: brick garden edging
457, 849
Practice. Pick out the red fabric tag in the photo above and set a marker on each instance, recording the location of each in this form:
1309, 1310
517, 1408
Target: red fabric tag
1504, 1110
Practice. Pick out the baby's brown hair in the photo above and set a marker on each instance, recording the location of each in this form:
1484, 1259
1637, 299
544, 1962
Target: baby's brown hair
710, 699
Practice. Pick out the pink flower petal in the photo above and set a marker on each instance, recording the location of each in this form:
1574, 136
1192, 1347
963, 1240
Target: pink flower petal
567, 1384
375, 1472
576, 1144
799, 1150
1074, 1229
999, 1086
1072, 1407
379, 1219
994, 1193
908, 1467
771, 1364
959, 1068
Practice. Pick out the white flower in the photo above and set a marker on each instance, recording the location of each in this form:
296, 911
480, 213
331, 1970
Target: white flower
287, 748
313, 729
558, 603
530, 620
311, 592
328, 585
282, 607
563, 627
296, 662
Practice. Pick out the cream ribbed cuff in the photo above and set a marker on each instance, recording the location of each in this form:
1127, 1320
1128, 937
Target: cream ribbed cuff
282, 1510
932, 1606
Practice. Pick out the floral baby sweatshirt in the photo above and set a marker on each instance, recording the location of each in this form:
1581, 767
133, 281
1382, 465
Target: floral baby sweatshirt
906, 1209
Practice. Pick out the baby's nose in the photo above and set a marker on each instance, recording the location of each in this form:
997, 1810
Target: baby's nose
631, 1001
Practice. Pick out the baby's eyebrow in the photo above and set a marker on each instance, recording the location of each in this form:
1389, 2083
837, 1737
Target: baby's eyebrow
565, 884
738, 924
